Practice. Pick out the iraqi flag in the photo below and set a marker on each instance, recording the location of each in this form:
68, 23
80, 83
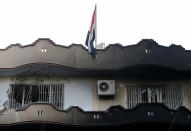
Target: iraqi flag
91, 36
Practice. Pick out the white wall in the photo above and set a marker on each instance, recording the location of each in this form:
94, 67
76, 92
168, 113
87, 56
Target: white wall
78, 92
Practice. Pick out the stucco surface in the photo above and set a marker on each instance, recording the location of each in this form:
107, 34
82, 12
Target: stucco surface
113, 57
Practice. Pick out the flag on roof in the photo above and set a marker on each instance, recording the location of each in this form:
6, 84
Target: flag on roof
91, 36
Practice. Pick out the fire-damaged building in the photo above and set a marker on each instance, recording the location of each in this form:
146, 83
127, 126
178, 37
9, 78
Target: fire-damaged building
49, 83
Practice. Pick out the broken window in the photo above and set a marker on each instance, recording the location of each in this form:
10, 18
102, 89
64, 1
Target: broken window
20, 95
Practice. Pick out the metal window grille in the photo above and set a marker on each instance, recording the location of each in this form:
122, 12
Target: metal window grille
170, 95
21, 95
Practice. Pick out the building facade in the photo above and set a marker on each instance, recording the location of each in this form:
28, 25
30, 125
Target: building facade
45, 82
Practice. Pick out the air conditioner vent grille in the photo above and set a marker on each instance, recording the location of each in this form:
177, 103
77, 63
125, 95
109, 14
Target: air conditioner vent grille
106, 87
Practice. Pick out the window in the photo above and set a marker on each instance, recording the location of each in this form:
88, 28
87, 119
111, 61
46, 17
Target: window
172, 96
144, 95
169, 94
151, 95
21, 95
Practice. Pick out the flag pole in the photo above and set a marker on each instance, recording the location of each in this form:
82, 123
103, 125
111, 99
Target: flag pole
96, 25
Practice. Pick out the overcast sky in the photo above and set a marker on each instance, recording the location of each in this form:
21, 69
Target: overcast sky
118, 21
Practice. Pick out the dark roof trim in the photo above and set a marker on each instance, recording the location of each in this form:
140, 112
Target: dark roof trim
148, 41
100, 69
55, 70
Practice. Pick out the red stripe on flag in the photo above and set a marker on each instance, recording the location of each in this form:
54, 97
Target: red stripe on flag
93, 20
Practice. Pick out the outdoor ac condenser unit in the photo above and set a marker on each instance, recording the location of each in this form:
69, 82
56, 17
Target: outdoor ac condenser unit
106, 88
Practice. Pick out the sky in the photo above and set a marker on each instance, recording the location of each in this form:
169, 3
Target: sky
118, 21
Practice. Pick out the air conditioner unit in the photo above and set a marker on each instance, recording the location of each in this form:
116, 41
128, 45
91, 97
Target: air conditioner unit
106, 88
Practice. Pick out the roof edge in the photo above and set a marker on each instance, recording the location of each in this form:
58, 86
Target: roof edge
142, 41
